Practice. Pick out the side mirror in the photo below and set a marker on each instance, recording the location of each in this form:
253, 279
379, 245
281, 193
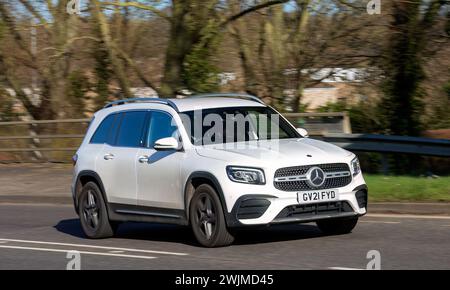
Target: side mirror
303, 132
168, 143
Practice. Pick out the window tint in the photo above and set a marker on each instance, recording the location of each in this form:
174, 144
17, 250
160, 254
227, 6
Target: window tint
101, 135
111, 140
160, 127
130, 131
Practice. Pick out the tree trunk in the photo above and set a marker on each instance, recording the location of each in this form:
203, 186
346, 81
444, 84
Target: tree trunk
115, 60
180, 44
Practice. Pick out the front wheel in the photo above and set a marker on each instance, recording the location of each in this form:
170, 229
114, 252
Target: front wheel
337, 226
207, 218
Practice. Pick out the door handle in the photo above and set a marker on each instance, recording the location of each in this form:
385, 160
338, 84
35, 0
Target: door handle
143, 159
108, 156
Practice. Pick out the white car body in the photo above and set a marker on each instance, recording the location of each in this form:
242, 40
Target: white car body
158, 188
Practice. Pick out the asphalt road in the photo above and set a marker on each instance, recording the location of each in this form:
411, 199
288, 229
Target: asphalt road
40, 236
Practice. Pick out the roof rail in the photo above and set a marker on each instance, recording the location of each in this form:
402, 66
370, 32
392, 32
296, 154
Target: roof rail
142, 100
232, 95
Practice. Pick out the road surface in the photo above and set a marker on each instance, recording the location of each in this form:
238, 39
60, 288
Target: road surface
39, 237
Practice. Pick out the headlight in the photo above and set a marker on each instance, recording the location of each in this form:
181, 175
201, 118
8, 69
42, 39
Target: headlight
246, 175
356, 168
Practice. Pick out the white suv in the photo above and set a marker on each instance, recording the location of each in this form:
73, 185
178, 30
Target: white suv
216, 162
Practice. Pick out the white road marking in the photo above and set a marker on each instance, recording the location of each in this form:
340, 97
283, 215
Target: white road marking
344, 268
35, 204
81, 252
408, 216
95, 247
117, 252
379, 222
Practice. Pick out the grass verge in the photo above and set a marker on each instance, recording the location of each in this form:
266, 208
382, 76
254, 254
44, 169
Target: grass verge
408, 188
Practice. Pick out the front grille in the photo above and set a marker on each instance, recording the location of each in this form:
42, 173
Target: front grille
302, 185
315, 209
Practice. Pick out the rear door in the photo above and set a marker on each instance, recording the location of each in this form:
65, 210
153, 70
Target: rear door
116, 165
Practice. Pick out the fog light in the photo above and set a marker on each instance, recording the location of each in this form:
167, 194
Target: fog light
361, 197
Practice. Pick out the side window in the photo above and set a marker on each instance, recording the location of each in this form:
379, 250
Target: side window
101, 134
161, 126
130, 131
111, 140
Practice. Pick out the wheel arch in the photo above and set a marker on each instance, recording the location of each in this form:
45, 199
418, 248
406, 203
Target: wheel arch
203, 177
84, 177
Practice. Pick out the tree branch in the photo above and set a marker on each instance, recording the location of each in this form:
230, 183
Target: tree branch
11, 25
105, 35
432, 12
9, 21
50, 8
137, 70
250, 10
11, 81
351, 5
34, 12
139, 6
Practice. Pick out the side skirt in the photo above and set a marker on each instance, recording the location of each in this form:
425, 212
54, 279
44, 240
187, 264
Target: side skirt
136, 213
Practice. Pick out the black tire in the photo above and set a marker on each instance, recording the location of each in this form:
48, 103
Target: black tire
207, 218
337, 226
93, 213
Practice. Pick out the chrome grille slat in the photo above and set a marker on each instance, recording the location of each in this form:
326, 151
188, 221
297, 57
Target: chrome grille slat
294, 178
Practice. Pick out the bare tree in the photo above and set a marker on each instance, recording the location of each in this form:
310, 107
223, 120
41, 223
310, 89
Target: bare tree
193, 24
291, 44
51, 64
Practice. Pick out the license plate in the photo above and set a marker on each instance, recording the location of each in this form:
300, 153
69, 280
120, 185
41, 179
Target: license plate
313, 196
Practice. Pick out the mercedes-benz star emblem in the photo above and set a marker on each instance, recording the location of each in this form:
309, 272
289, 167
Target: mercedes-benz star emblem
315, 177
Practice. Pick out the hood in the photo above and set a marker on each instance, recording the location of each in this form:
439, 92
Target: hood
284, 152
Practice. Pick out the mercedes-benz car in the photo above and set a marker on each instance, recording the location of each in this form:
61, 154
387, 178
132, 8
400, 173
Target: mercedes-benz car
215, 162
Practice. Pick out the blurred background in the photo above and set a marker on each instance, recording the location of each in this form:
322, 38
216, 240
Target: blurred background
369, 76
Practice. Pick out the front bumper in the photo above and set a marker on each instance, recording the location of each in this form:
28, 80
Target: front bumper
257, 209
315, 211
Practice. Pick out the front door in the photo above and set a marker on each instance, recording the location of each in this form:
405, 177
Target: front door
158, 172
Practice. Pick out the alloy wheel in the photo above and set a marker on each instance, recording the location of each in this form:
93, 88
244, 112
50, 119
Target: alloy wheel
91, 210
206, 216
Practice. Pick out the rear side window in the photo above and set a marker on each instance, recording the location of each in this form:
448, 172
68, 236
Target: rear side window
111, 140
131, 129
102, 132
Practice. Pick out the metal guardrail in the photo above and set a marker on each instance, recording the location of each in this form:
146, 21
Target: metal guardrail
27, 145
37, 122
390, 144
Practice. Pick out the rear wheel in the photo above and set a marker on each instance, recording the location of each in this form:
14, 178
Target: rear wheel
207, 218
337, 226
93, 213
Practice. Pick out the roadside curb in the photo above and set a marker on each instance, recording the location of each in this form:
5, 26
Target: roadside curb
27, 199
410, 208
407, 208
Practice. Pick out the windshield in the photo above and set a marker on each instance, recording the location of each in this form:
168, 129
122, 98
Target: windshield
235, 124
